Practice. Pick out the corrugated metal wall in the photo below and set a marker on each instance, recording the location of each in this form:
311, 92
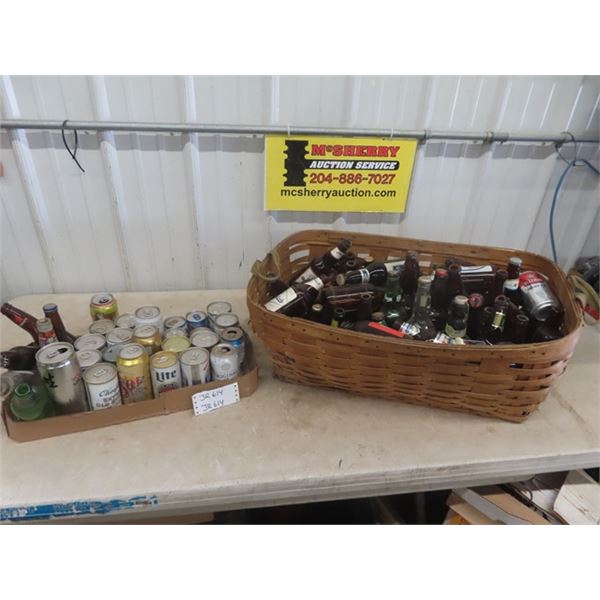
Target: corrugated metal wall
158, 212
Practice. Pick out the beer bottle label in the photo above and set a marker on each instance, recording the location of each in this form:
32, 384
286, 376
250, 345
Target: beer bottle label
306, 276
282, 300
316, 283
336, 253
441, 338
476, 270
364, 275
511, 284
499, 319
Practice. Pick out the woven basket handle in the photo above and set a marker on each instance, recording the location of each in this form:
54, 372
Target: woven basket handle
268, 269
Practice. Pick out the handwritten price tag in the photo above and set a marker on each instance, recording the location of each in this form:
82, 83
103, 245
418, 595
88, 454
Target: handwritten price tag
205, 402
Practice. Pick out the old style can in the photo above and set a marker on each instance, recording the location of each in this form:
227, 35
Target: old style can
149, 315
149, 337
224, 362
88, 358
195, 366
215, 309
119, 336
538, 298
90, 341
102, 326
235, 336
225, 321
166, 374
169, 333
126, 320
175, 322
102, 385
60, 370
103, 306
176, 343
134, 373
195, 319
204, 338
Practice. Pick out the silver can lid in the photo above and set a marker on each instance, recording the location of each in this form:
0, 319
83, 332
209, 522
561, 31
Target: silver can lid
204, 338
119, 335
223, 350
175, 332
147, 313
87, 358
174, 322
55, 353
100, 373
102, 299
226, 320
218, 308
126, 320
232, 334
102, 326
163, 360
145, 331
195, 316
131, 351
90, 341
194, 356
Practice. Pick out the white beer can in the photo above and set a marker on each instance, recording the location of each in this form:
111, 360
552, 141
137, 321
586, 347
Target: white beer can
102, 386
195, 366
224, 362
149, 315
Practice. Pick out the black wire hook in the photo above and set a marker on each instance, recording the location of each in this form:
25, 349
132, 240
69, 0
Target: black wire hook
558, 146
64, 139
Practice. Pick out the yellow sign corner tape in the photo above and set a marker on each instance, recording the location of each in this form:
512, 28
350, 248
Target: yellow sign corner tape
332, 174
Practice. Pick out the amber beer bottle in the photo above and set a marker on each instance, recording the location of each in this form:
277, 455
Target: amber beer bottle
274, 285
496, 329
511, 283
476, 302
19, 358
51, 312
410, 274
420, 318
22, 319
455, 283
458, 315
375, 273
439, 298
324, 264
298, 298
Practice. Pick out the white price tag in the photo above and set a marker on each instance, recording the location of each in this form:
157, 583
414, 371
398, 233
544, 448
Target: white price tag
205, 402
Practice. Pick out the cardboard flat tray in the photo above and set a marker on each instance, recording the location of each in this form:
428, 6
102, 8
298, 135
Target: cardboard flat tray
167, 403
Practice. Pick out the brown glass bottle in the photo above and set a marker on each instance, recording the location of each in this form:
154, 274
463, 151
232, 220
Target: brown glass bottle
375, 273
19, 358
51, 312
324, 264
455, 283
476, 302
364, 311
439, 298
349, 296
511, 284
485, 321
518, 331
296, 300
458, 315
319, 314
274, 285
421, 317
21, 318
410, 273
497, 286
496, 329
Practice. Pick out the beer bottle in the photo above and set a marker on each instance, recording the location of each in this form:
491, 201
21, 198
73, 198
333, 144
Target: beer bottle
476, 302
379, 317
410, 273
19, 358
455, 285
519, 329
31, 402
324, 264
439, 298
486, 320
364, 312
338, 317
297, 299
458, 315
349, 296
318, 314
274, 285
545, 333
420, 318
496, 329
511, 284
497, 286
375, 273
46, 334
51, 312
21, 318
393, 293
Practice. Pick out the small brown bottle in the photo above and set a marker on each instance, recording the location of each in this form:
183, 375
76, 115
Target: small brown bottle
296, 300
51, 312
511, 283
21, 318
476, 302
324, 264
411, 272
519, 329
19, 358
455, 285
274, 285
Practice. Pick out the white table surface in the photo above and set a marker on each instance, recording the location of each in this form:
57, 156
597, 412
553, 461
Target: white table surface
285, 443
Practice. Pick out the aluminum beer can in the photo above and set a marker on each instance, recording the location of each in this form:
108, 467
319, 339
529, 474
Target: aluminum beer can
235, 336
176, 322
102, 326
149, 315
217, 308
88, 358
60, 370
149, 337
195, 319
225, 321
134, 373
111, 353
102, 385
176, 343
538, 298
169, 333
103, 306
126, 320
166, 374
224, 362
203, 337
119, 336
195, 366
90, 341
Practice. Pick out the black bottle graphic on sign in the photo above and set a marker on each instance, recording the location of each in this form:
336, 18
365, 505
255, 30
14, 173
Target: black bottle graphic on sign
296, 163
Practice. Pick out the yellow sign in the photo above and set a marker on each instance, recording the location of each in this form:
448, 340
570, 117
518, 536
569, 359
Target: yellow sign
330, 174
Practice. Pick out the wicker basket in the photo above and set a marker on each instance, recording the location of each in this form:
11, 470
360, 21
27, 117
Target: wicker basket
508, 381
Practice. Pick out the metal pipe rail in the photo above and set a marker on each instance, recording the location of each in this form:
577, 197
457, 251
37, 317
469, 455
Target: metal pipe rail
422, 134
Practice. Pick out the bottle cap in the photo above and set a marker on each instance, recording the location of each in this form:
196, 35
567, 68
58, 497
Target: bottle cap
441, 272
515, 260
461, 300
23, 390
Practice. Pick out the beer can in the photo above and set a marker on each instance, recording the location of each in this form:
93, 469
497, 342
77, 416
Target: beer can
119, 336
102, 385
195, 319
126, 320
225, 321
134, 373
111, 353
176, 322
217, 308
149, 337
176, 343
538, 298
235, 336
103, 306
195, 366
88, 358
169, 333
149, 315
204, 338
166, 374
102, 326
90, 341
60, 370
224, 362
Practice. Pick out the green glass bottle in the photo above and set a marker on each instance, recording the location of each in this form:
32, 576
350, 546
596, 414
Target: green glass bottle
29, 403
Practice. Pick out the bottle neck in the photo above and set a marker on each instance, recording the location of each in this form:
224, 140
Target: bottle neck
422, 302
